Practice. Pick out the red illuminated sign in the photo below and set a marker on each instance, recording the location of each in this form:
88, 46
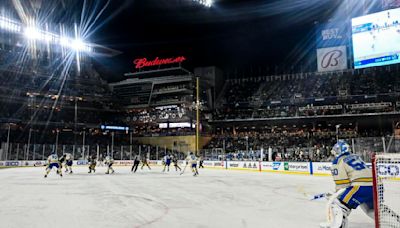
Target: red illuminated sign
143, 62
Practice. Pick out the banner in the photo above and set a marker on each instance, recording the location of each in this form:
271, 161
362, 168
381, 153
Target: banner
332, 59
388, 170
233, 164
250, 165
12, 163
297, 166
322, 168
81, 162
273, 166
123, 163
332, 34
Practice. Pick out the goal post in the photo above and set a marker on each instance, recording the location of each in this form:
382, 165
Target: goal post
386, 190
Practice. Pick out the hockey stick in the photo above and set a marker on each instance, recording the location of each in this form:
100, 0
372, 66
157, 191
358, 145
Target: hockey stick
325, 195
311, 197
184, 169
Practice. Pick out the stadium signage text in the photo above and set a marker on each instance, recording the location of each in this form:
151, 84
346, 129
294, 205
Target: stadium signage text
329, 34
391, 170
12, 163
117, 128
143, 62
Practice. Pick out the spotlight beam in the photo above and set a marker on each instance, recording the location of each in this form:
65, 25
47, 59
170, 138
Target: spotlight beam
106, 20
86, 30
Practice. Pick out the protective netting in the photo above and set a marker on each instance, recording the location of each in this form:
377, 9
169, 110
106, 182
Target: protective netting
387, 185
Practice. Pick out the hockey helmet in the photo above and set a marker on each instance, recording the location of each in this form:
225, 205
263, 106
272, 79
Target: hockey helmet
340, 147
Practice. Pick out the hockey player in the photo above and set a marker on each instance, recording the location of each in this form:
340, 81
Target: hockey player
201, 160
109, 162
68, 162
191, 160
145, 162
136, 163
53, 162
92, 164
167, 162
62, 161
353, 181
175, 161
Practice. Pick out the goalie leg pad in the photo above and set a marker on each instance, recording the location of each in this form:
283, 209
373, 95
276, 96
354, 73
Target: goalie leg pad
337, 214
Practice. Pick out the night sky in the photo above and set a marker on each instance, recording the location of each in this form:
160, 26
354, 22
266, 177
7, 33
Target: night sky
233, 34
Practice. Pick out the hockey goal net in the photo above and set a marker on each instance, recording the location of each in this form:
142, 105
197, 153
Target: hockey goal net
386, 179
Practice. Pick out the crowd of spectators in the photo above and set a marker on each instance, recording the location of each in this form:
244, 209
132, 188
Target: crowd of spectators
289, 143
350, 92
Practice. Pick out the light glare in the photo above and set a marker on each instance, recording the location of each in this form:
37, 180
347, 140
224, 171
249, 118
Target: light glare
8, 24
78, 45
207, 3
32, 33
64, 41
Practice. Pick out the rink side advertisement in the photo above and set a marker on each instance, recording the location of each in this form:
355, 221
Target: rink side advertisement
391, 171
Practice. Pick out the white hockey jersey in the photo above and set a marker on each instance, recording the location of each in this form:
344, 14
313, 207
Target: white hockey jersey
109, 160
69, 157
191, 159
349, 170
53, 158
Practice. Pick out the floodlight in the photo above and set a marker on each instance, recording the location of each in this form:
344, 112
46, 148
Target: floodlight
207, 3
32, 33
78, 45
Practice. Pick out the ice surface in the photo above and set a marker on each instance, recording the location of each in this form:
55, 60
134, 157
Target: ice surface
377, 42
150, 198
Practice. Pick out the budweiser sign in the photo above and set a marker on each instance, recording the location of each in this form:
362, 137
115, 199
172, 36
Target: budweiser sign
143, 62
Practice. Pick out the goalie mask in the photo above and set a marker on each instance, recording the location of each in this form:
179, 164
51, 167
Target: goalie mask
340, 147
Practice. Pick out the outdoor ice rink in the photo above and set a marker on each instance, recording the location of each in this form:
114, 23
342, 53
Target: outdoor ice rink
216, 198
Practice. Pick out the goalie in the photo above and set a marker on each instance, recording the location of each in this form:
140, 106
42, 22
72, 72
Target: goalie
354, 185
